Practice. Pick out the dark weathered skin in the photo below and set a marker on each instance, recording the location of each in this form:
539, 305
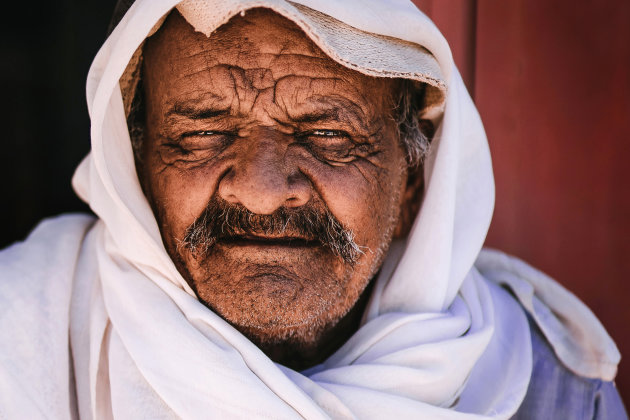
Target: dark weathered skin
257, 115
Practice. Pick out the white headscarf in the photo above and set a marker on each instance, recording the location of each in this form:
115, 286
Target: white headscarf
440, 339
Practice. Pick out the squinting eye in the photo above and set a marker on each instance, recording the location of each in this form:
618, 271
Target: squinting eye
327, 133
201, 133
333, 146
198, 146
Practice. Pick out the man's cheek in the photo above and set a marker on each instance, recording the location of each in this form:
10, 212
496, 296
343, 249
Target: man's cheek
345, 189
178, 204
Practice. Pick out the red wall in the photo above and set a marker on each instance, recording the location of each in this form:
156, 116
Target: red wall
552, 83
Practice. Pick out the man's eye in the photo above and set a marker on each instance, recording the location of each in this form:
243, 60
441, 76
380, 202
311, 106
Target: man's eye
328, 138
327, 133
202, 133
206, 138
197, 146
330, 145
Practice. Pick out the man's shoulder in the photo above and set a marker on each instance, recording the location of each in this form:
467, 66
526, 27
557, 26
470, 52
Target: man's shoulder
556, 392
48, 241
575, 334
58, 227
41, 266
574, 358
36, 278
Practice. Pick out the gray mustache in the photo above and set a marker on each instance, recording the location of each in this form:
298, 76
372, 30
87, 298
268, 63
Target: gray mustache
221, 220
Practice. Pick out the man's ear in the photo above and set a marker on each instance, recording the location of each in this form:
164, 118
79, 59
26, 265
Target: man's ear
410, 201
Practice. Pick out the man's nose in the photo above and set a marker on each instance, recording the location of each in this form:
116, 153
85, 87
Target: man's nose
264, 178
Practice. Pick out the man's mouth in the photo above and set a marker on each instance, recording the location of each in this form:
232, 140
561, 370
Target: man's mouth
270, 241
230, 225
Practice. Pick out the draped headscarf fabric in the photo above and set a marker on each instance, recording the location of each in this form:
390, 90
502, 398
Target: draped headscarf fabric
441, 337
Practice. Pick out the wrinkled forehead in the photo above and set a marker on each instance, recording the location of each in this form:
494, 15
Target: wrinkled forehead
256, 61
258, 39
254, 33
368, 53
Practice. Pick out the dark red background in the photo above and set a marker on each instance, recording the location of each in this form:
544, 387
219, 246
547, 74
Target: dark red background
552, 83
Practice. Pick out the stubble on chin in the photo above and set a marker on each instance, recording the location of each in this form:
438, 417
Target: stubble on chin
273, 298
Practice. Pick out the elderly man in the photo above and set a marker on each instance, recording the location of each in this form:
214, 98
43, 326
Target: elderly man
291, 201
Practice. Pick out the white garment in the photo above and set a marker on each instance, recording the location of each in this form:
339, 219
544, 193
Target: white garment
439, 340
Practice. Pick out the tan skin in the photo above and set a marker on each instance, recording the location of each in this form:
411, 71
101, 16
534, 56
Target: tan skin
257, 115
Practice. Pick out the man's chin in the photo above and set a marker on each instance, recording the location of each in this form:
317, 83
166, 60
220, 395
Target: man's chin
282, 297
274, 293
269, 297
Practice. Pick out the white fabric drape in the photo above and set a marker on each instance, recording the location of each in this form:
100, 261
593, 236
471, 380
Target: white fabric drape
440, 339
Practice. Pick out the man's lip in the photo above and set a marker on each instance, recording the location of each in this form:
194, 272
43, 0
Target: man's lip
254, 240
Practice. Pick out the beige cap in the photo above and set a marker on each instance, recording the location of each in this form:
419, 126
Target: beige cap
368, 53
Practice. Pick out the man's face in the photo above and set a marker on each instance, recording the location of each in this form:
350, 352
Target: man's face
262, 155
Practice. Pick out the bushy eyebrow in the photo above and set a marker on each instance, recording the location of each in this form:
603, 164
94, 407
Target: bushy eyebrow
195, 112
322, 109
332, 109
315, 116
